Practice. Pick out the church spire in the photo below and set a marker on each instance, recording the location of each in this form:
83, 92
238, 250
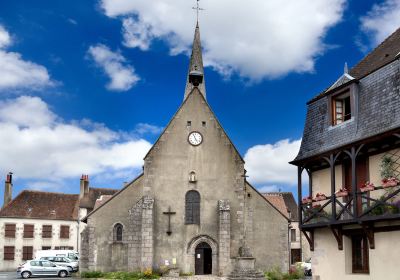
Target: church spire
195, 64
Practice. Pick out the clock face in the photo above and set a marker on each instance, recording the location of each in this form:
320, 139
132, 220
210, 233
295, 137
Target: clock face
195, 138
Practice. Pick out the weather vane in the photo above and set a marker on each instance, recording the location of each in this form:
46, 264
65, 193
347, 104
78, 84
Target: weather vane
197, 8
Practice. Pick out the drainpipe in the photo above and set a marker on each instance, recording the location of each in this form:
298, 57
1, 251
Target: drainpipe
289, 244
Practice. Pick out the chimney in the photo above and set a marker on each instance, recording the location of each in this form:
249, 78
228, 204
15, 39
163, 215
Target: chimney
8, 189
84, 186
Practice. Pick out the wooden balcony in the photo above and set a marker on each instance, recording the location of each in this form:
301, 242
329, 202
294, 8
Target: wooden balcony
358, 208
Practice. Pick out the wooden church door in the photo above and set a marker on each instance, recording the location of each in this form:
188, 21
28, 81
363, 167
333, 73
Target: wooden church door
203, 259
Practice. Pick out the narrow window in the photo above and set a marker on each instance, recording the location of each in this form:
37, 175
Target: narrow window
27, 252
189, 123
203, 124
192, 207
10, 231
46, 247
118, 229
360, 258
293, 235
28, 231
47, 231
64, 232
341, 108
9, 252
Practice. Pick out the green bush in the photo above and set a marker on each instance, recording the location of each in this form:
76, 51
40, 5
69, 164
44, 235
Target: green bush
277, 274
92, 274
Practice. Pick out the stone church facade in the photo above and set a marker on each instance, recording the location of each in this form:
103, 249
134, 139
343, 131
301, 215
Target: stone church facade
192, 207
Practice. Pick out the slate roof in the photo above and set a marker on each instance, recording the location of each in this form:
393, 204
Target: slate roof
285, 202
95, 193
377, 107
383, 54
42, 205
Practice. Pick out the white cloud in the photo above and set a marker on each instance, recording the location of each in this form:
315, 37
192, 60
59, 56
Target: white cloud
16, 73
268, 164
265, 189
257, 39
36, 145
382, 20
122, 75
145, 128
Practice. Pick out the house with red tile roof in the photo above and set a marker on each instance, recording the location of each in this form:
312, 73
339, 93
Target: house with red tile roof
38, 220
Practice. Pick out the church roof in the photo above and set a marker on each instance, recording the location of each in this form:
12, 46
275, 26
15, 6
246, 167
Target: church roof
196, 63
42, 205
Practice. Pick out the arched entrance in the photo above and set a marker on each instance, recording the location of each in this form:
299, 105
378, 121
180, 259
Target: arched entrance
203, 259
191, 256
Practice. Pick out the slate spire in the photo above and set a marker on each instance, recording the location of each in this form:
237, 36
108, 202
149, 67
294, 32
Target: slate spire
195, 64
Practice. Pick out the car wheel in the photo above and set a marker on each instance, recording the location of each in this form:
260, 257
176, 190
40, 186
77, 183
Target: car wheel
62, 274
26, 274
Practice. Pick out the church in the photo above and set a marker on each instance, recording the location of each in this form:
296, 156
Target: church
192, 207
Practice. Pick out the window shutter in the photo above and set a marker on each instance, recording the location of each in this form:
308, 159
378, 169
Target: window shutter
47, 231
64, 232
27, 252
9, 252
10, 230
28, 231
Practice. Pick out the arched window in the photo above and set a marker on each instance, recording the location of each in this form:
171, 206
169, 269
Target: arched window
192, 208
118, 232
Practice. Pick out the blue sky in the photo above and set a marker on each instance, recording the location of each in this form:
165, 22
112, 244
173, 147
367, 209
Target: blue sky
87, 86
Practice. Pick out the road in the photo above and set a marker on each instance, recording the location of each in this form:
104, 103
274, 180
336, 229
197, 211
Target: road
13, 275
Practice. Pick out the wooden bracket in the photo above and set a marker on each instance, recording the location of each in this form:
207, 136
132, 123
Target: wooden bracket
370, 233
310, 238
337, 232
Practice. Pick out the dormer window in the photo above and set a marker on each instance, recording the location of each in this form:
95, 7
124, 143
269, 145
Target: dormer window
341, 108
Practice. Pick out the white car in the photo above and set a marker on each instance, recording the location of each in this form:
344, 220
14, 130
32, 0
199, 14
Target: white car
306, 266
72, 266
41, 268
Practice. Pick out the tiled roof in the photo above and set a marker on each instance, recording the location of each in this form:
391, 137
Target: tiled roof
101, 200
285, 202
385, 53
94, 193
44, 205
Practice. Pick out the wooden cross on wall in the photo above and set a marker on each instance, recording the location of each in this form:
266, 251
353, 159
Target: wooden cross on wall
169, 213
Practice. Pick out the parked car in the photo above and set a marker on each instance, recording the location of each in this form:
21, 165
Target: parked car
70, 254
306, 266
63, 261
41, 268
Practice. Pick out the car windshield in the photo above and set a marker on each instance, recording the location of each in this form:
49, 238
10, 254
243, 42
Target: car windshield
72, 256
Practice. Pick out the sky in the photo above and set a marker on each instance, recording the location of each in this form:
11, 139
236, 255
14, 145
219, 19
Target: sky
86, 87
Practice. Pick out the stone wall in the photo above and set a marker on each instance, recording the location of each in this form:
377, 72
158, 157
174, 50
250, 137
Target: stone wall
224, 235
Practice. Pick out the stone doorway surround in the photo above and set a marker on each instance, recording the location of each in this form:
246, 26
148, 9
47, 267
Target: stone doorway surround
191, 252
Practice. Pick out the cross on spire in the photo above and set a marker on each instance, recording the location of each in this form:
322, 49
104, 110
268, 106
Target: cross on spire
198, 9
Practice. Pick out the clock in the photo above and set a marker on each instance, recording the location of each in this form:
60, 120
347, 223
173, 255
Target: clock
195, 138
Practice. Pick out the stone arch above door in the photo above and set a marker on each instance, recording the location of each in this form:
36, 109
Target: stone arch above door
191, 249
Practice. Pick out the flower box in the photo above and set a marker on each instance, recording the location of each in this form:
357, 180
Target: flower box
367, 187
306, 200
320, 196
390, 182
342, 192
